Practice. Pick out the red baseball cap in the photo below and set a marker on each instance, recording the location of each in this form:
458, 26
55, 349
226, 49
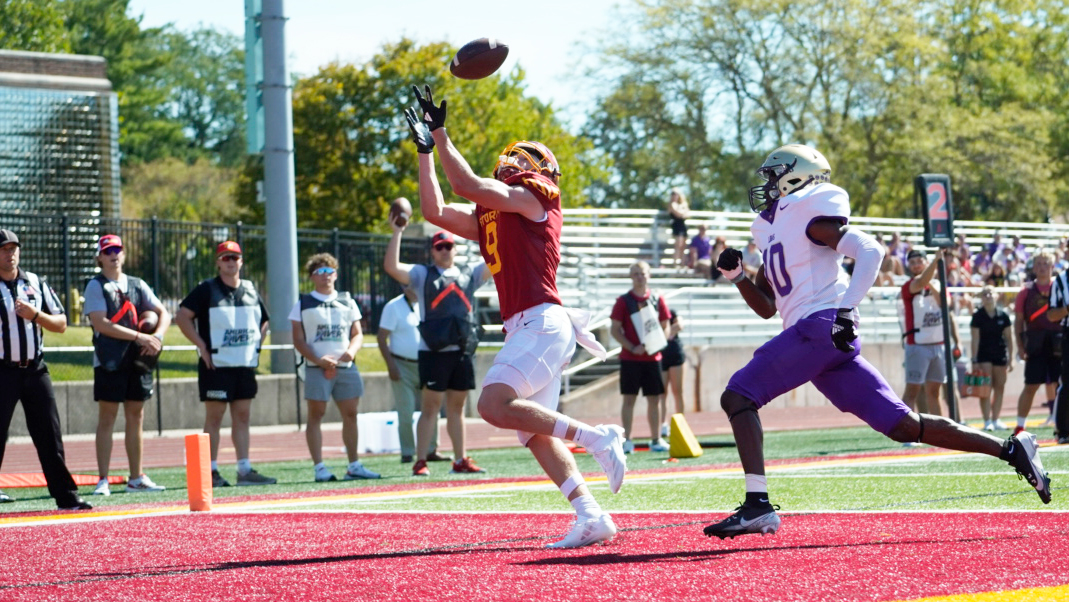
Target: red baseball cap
442, 236
228, 247
107, 241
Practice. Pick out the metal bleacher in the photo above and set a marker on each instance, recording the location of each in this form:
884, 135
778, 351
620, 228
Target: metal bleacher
599, 245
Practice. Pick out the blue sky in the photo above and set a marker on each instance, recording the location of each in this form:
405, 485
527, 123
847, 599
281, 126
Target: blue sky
546, 42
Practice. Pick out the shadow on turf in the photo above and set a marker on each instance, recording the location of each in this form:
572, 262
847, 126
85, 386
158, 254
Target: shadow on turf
616, 558
593, 556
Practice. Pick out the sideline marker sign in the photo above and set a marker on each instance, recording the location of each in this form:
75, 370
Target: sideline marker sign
935, 205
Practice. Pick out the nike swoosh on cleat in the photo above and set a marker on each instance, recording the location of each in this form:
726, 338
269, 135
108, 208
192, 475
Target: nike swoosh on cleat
746, 523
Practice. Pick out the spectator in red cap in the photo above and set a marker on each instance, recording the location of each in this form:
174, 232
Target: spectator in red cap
227, 321
446, 295
113, 303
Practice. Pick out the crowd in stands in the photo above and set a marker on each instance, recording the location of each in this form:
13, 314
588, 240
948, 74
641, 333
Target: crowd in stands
998, 263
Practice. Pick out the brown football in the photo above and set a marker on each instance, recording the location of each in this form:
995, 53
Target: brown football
400, 211
479, 58
148, 321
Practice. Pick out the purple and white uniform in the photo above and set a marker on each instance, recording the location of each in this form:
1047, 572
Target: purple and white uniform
809, 282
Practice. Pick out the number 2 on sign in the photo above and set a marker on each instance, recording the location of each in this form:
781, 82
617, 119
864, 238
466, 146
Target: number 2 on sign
491, 248
937, 201
776, 269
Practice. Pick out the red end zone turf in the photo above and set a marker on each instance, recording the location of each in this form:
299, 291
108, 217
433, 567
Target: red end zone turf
342, 556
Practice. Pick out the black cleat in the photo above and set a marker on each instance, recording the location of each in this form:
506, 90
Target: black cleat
75, 503
1024, 458
747, 519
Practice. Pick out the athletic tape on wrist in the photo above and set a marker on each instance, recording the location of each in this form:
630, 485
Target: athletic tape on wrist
734, 275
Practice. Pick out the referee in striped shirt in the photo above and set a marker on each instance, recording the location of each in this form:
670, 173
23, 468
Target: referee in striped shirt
26, 306
1059, 312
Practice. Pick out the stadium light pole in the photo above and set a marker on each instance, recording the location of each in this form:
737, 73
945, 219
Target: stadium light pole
281, 207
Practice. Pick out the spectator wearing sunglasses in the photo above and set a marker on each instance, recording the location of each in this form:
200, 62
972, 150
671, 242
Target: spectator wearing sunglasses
446, 300
227, 321
113, 303
327, 333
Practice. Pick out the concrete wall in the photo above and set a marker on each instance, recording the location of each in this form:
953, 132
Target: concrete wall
707, 372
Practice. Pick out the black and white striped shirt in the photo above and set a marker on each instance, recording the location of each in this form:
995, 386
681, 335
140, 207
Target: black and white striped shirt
22, 338
1059, 294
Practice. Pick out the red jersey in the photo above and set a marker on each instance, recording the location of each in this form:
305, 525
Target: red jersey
620, 314
523, 255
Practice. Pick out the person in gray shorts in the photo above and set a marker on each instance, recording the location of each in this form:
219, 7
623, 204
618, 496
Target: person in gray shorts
923, 335
327, 333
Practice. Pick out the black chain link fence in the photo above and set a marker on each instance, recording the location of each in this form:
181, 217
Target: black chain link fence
174, 256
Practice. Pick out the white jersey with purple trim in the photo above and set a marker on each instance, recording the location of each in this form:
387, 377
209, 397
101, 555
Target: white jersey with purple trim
805, 274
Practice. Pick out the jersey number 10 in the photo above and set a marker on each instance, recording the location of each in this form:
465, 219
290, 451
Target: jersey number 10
776, 269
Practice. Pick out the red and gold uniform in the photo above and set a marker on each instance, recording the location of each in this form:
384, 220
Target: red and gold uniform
523, 255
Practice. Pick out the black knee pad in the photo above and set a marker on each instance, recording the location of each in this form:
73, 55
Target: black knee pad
734, 404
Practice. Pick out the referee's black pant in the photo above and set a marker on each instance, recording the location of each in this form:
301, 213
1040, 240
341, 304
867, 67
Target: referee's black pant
1061, 404
33, 386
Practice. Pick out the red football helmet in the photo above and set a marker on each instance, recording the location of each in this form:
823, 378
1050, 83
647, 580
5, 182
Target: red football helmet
537, 155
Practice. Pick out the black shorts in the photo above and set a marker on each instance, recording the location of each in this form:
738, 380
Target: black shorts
446, 370
672, 355
679, 227
640, 375
226, 384
121, 385
1042, 369
995, 358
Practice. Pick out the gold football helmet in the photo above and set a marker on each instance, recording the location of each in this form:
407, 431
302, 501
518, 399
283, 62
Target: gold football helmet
788, 169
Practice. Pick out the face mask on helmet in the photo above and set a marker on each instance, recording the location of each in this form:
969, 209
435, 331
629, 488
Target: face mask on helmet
528, 156
788, 169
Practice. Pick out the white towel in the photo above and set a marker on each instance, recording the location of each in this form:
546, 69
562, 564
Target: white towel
580, 319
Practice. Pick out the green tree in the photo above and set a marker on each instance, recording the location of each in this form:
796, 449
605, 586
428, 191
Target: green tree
173, 189
886, 90
33, 26
352, 152
206, 80
135, 58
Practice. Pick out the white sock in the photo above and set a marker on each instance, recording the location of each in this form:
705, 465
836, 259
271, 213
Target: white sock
587, 435
586, 507
215, 465
1021, 420
244, 466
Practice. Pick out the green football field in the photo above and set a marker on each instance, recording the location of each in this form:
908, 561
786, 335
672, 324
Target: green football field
846, 469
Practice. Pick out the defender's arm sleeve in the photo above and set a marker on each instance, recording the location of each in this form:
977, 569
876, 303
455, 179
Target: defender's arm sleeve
868, 255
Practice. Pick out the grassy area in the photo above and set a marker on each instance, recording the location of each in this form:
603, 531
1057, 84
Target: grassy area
902, 482
70, 365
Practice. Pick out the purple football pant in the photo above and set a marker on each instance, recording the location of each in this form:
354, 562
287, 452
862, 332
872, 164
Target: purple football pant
803, 353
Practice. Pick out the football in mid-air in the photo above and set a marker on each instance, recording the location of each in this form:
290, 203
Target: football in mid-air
148, 321
400, 211
479, 58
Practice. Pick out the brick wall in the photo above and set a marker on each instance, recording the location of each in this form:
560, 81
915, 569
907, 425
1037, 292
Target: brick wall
39, 63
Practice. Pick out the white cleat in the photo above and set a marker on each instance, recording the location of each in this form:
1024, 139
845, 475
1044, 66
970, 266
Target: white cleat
609, 453
102, 488
586, 533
